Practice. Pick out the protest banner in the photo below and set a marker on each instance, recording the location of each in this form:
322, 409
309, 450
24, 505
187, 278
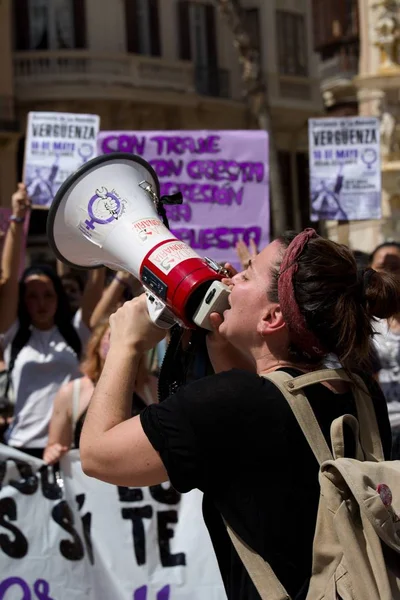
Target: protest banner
345, 168
5, 214
70, 537
222, 175
56, 145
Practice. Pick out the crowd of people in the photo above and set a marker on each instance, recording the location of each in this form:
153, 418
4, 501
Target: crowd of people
54, 336
54, 339
300, 304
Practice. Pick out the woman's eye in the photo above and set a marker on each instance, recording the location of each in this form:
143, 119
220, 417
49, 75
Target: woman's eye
244, 277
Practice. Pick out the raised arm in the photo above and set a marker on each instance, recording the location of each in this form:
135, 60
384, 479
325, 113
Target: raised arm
11, 257
110, 298
60, 431
92, 294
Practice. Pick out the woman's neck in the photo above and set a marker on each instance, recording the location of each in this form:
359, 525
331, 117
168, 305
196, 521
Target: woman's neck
43, 326
267, 364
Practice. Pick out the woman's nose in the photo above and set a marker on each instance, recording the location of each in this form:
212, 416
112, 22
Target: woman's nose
235, 278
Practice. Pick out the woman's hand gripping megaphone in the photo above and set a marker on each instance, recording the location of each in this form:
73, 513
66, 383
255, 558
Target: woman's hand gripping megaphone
132, 327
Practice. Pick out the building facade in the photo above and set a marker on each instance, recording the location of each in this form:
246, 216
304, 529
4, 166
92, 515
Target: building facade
154, 64
337, 42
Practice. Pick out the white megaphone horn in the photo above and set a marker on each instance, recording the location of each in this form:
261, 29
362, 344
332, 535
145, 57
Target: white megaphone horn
110, 213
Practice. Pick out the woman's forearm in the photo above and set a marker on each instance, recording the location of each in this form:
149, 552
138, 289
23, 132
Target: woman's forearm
9, 273
92, 293
110, 298
111, 403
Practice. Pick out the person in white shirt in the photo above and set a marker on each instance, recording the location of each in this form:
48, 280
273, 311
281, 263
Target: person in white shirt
42, 343
386, 257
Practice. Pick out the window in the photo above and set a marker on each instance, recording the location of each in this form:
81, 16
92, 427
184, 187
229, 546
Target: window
49, 24
351, 17
198, 42
197, 37
252, 16
292, 44
142, 27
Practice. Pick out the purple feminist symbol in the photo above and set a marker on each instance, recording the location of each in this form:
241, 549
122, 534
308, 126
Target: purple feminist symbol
369, 156
104, 207
85, 151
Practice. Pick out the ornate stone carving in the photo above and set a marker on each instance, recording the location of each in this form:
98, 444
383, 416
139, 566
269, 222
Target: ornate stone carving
390, 127
387, 30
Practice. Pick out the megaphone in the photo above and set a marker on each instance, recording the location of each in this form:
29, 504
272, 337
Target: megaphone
109, 212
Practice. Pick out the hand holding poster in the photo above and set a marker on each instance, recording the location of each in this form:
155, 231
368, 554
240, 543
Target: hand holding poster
345, 169
222, 175
57, 144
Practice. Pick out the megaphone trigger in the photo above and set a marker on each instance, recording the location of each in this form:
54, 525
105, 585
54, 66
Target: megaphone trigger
159, 312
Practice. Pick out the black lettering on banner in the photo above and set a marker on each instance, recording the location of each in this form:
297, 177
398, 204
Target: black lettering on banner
136, 515
128, 494
28, 484
165, 534
87, 525
18, 547
165, 495
50, 488
63, 515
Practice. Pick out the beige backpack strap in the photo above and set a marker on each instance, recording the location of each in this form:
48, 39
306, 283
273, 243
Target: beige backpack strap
337, 436
291, 389
267, 584
369, 430
307, 379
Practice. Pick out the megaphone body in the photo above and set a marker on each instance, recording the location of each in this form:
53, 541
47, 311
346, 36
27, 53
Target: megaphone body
107, 213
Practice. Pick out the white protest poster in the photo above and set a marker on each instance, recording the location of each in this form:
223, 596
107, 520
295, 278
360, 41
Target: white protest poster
345, 168
56, 145
70, 537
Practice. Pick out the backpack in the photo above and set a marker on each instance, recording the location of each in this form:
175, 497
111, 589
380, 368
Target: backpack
356, 549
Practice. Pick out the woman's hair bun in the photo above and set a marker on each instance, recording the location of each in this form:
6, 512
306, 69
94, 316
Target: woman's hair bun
381, 294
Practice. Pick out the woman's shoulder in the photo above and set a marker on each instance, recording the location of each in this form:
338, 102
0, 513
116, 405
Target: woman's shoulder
229, 389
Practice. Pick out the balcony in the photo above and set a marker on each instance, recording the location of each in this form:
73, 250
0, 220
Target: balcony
212, 81
8, 122
76, 73
338, 71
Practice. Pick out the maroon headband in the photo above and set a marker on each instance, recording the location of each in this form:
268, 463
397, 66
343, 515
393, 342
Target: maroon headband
300, 335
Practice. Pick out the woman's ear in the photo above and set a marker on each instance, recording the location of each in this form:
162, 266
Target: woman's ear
272, 321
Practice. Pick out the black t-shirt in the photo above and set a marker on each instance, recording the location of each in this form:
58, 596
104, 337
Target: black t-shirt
234, 437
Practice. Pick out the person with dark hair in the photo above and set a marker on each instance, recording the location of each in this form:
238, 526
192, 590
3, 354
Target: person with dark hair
233, 434
362, 259
74, 288
386, 259
42, 343
84, 296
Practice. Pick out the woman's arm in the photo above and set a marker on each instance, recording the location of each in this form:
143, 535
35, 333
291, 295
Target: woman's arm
110, 298
60, 431
92, 294
113, 446
10, 261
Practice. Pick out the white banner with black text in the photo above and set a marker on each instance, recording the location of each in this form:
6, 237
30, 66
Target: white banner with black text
65, 536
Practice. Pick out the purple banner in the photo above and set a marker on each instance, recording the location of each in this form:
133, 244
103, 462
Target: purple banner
223, 177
